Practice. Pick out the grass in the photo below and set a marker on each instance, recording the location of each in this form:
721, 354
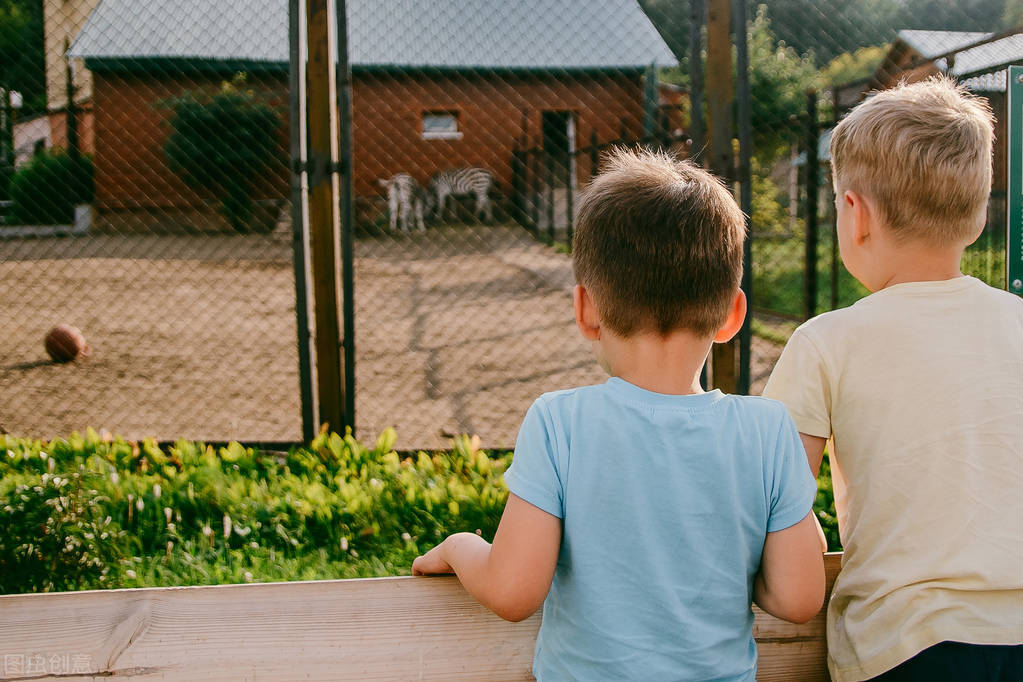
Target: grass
779, 272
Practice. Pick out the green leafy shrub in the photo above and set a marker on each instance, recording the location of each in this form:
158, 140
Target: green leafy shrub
6, 172
190, 512
56, 536
824, 506
46, 190
225, 145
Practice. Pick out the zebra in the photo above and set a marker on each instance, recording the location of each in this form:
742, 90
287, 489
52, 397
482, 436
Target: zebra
462, 182
404, 200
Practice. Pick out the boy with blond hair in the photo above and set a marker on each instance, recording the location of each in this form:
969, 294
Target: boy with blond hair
919, 387
643, 513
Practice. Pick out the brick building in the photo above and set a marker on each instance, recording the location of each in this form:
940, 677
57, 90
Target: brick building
62, 22
436, 84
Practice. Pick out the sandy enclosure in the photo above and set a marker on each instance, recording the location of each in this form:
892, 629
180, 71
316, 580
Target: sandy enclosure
457, 330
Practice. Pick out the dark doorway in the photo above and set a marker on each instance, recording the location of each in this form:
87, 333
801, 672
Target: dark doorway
559, 145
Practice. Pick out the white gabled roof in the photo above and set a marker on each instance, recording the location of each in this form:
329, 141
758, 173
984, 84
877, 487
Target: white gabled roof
931, 44
452, 34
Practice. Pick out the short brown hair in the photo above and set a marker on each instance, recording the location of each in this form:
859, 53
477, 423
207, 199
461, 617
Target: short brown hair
658, 244
922, 152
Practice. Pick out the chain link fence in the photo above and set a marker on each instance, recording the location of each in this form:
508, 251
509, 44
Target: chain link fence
148, 170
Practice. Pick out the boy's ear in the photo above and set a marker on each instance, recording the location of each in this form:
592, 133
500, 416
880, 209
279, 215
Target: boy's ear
736, 316
864, 215
586, 317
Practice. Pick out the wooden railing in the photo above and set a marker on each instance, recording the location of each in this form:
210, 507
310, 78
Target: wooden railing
380, 628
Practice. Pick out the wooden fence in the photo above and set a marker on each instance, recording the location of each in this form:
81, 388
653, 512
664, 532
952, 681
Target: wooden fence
382, 628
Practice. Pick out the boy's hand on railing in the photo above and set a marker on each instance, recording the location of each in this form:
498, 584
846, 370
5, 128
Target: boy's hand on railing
431, 563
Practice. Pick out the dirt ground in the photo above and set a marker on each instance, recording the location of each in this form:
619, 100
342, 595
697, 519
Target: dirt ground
457, 330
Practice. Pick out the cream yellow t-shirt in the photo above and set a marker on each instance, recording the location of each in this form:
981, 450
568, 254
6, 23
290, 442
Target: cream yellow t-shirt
920, 388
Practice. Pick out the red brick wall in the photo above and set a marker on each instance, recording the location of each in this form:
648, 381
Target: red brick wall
494, 112
131, 126
58, 129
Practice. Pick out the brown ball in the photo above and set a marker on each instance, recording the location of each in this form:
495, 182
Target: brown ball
65, 343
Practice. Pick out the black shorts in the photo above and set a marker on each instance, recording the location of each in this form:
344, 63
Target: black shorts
959, 662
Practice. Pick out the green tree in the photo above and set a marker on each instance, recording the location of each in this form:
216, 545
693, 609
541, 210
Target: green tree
225, 145
853, 66
780, 78
22, 62
1013, 15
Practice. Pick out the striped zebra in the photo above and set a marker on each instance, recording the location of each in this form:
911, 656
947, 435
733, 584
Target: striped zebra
459, 182
404, 200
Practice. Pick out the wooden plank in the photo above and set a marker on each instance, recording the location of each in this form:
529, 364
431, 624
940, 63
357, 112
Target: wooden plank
380, 628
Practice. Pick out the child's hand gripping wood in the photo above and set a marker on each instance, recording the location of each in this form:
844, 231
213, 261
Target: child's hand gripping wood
512, 576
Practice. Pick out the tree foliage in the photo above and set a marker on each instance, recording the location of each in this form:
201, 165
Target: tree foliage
828, 28
853, 66
224, 145
46, 190
780, 78
22, 61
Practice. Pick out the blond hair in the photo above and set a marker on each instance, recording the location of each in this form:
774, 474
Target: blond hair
658, 243
922, 152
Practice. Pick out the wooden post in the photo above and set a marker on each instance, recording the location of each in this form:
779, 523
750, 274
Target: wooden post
720, 96
744, 113
697, 19
323, 228
594, 154
812, 192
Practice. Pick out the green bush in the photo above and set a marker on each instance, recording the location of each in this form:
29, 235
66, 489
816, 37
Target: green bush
225, 145
46, 190
333, 509
6, 172
55, 537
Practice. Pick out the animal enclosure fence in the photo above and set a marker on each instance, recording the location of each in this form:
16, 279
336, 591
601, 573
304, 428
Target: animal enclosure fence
162, 165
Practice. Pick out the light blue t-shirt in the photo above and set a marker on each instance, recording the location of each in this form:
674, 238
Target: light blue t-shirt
665, 501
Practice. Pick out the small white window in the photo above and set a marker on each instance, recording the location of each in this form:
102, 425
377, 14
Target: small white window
441, 125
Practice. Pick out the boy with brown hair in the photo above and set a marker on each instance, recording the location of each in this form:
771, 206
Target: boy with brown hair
918, 386
643, 513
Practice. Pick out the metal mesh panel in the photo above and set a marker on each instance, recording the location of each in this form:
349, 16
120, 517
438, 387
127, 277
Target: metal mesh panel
148, 210
146, 197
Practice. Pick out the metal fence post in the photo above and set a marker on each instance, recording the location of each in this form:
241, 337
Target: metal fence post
296, 128
549, 191
516, 197
343, 89
534, 195
568, 194
833, 212
744, 113
812, 187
